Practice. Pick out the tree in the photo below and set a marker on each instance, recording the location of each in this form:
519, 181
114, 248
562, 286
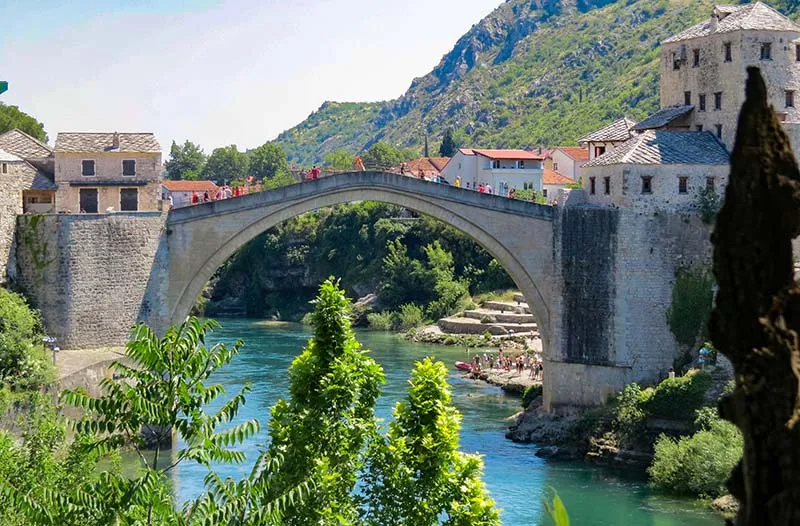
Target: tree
268, 160
24, 362
12, 117
382, 156
185, 162
448, 147
163, 391
416, 475
226, 164
755, 322
340, 160
323, 427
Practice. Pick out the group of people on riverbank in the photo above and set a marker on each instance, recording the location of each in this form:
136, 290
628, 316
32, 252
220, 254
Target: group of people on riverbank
532, 363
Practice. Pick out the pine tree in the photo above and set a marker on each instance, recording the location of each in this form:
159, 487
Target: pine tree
757, 317
448, 147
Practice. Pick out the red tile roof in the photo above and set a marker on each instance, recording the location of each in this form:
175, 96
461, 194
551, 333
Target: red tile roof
513, 155
466, 151
428, 165
554, 178
575, 152
190, 186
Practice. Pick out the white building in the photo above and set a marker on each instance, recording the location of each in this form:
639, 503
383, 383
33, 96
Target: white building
567, 161
553, 182
181, 191
518, 169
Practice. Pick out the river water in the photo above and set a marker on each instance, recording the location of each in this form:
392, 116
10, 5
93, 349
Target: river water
515, 477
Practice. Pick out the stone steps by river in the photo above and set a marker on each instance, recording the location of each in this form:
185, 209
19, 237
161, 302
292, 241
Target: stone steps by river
501, 317
507, 306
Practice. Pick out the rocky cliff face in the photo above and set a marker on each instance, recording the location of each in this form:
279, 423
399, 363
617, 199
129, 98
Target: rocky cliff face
532, 73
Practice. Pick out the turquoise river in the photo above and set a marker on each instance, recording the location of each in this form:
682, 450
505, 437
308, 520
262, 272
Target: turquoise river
516, 478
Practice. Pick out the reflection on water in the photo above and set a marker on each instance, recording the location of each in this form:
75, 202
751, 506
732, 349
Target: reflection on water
516, 478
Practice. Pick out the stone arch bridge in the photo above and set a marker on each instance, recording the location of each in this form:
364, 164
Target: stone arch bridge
595, 279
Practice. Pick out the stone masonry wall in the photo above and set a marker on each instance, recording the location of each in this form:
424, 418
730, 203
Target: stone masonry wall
18, 177
91, 275
617, 312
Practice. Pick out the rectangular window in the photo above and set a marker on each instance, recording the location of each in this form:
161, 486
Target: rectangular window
496, 164
555, 167
728, 56
647, 184
710, 183
687, 98
129, 199
87, 168
719, 131
592, 186
766, 51
696, 58
789, 98
88, 200
699, 127
683, 185
129, 168
522, 165
702, 101
5, 168
544, 192
718, 100
676, 62
599, 150
797, 52
607, 185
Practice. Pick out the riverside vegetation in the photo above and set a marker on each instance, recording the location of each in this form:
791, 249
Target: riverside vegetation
323, 440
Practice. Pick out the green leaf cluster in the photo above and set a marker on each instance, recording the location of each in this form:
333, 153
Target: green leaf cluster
24, 361
185, 162
12, 117
226, 164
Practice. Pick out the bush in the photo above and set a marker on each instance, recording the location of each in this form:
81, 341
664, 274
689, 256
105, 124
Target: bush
708, 202
679, 397
700, 464
381, 321
488, 319
629, 413
410, 317
24, 361
530, 394
692, 298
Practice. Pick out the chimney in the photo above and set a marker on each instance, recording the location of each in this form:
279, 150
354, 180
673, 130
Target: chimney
714, 22
115, 140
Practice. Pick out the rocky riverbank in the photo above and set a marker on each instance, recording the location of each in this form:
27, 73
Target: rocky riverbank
509, 381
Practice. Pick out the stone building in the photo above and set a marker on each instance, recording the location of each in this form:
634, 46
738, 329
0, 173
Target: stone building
100, 172
704, 68
607, 138
658, 169
31, 188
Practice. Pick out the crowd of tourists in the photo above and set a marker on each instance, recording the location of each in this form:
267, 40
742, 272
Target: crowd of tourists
530, 364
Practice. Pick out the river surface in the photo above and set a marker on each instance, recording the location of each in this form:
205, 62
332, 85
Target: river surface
515, 477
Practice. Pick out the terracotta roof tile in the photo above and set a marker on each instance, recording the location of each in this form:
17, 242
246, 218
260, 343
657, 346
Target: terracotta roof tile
552, 177
576, 153
190, 186
666, 147
104, 142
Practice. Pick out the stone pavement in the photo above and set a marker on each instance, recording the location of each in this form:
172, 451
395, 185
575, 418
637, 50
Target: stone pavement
85, 368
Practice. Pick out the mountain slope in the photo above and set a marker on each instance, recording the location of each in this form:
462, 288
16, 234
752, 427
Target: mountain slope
532, 73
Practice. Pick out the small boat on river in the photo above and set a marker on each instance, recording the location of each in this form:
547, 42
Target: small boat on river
464, 366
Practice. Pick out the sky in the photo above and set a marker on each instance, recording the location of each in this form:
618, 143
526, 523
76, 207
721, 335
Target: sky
216, 72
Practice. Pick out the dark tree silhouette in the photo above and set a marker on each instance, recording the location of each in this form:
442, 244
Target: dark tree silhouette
448, 147
757, 316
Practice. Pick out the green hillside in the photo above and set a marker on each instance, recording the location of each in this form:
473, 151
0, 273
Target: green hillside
532, 73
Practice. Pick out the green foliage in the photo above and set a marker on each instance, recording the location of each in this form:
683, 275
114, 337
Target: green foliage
708, 202
268, 161
382, 156
322, 428
283, 178
381, 321
410, 317
340, 160
185, 162
12, 117
24, 362
448, 147
226, 164
699, 464
416, 475
629, 415
556, 511
531, 393
678, 397
692, 298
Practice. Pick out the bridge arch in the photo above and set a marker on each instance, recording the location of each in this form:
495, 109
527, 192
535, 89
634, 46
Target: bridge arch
202, 238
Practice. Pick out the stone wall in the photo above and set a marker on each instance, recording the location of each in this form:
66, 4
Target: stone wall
616, 272
92, 275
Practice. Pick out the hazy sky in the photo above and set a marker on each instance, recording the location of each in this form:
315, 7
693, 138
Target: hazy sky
216, 72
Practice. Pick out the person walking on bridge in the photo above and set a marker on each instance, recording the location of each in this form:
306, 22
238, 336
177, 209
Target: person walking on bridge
457, 182
358, 162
